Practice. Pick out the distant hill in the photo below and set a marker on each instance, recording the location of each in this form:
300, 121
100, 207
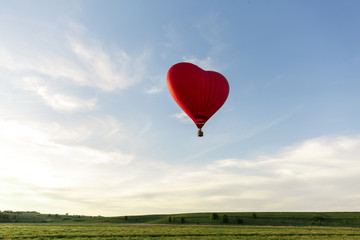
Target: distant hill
344, 219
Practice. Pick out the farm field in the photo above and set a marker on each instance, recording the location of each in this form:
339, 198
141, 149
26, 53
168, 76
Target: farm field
236, 225
150, 231
298, 219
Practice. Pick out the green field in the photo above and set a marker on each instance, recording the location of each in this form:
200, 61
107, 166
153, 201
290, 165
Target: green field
239, 225
126, 231
329, 219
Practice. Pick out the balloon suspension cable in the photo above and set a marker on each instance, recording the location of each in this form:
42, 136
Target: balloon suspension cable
200, 133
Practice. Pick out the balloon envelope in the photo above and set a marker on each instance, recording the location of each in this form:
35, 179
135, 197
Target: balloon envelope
199, 93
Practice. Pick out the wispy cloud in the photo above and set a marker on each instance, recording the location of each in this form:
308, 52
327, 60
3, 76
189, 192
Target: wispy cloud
54, 99
109, 71
154, 90
206, 63
34, 63
84, 62
182, 117
261, 128
249, 134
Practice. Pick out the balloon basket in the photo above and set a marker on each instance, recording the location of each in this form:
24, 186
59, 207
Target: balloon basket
200, 133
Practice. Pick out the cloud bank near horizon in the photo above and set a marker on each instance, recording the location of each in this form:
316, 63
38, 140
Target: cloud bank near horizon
93, 181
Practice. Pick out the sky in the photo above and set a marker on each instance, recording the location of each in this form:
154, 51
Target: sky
88, 126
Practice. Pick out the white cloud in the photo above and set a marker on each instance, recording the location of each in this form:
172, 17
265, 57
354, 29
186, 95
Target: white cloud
205, 64
182, 117
37, 138
31, 63
107, 68
67, 103
302, 175
44, 75
154, 90
56, 100
109, 71
103, 132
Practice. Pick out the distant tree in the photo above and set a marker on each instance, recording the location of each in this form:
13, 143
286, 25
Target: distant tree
317, 218
254, 215
169, 219
182, 220
239, 221
224, 218
214, 216
4, 217
126, 218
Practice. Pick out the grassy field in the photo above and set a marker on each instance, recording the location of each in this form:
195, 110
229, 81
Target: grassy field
276, 225
328, 219
141, 231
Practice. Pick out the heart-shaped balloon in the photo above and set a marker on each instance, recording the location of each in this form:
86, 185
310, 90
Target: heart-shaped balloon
199, 93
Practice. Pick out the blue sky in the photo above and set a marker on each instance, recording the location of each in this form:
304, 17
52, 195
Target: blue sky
88, 126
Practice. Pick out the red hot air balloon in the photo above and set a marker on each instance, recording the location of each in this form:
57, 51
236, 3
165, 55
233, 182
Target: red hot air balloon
199, 93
